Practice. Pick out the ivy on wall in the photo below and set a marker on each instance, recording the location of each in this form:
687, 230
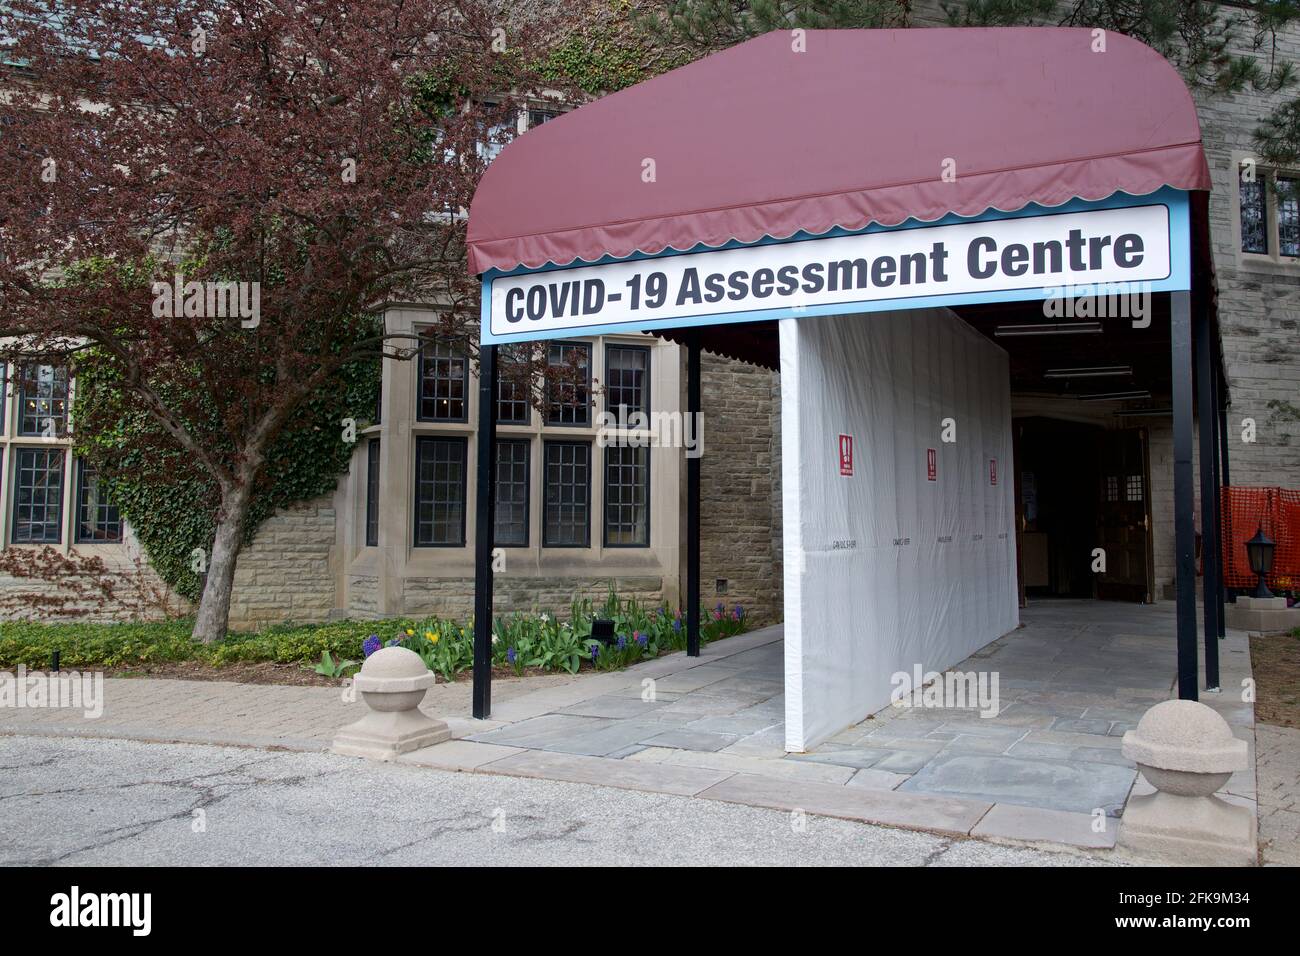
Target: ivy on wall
171, 504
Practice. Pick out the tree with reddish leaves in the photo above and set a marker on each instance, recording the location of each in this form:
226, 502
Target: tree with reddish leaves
214, 201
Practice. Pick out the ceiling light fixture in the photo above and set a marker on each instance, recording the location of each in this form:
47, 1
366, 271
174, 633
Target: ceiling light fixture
1099, 371
1112, 396
1048, 328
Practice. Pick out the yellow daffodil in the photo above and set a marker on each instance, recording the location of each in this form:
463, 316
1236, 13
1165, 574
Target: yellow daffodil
431, 636
410, 632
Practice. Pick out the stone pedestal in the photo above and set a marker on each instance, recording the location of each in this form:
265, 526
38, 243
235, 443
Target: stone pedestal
392, 683
1187, 752
1269, 615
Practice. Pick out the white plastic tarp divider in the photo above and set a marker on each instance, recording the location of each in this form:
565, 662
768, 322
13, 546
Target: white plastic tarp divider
889, 568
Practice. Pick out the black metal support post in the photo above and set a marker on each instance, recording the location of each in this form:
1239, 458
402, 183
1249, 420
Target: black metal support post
484, 523
1223, 434
1207, 421
1184, 497
693, 507
1220, 449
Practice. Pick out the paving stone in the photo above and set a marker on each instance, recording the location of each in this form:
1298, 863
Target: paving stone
700, 705
457, 755
602, 741
991, 727
734, 724
683, 739
626, 752
749, 685
615, 707
1030, 749
537, 732
876, 779
857, 757
759, 745
1036, 825
651, 754
1082, 725
968, 743
693, 679
762, 766
903, 761
606, 772
1073, 740
921, 745
889, 807
1054, 785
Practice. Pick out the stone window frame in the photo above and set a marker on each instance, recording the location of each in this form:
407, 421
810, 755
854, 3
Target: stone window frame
106, 518
1271, 263
504, 357
588, 396
16, 486
60, 395
374, 467
463, 442
430, 340
646, 471
547, 444
11, 441
526, 442
644, 405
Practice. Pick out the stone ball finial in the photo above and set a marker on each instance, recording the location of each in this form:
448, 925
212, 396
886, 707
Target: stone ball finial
1187, 752
392, 683
1184, 736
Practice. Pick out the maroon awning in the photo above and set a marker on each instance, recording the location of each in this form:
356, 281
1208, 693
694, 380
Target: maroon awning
763, 141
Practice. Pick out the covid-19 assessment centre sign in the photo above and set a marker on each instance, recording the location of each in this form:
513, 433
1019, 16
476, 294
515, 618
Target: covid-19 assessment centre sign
1033, 253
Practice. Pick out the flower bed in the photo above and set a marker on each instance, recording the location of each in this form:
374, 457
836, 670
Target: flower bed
524, 641
521, 642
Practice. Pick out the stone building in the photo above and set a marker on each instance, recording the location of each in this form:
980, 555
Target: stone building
396, 536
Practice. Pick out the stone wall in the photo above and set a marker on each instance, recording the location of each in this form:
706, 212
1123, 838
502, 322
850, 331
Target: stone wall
285, 574
137, 592
454, 597
738, 510
1259, 312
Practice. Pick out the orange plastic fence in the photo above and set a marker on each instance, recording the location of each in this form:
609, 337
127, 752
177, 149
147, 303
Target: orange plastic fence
1277, 511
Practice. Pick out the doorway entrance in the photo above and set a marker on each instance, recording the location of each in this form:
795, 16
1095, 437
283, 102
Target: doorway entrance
1083, 511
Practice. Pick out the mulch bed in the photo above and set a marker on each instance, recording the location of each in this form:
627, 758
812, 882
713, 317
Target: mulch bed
1276, 663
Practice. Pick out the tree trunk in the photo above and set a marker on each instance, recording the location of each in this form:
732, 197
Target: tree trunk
214, 607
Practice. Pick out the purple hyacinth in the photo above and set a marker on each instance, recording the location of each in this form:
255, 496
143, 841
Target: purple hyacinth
510, 655
371, 644
622, 641
738, 613
595, 651
677, 625
640, 638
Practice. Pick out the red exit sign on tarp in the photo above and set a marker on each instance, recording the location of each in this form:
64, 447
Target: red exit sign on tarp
846, 455
931, 464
